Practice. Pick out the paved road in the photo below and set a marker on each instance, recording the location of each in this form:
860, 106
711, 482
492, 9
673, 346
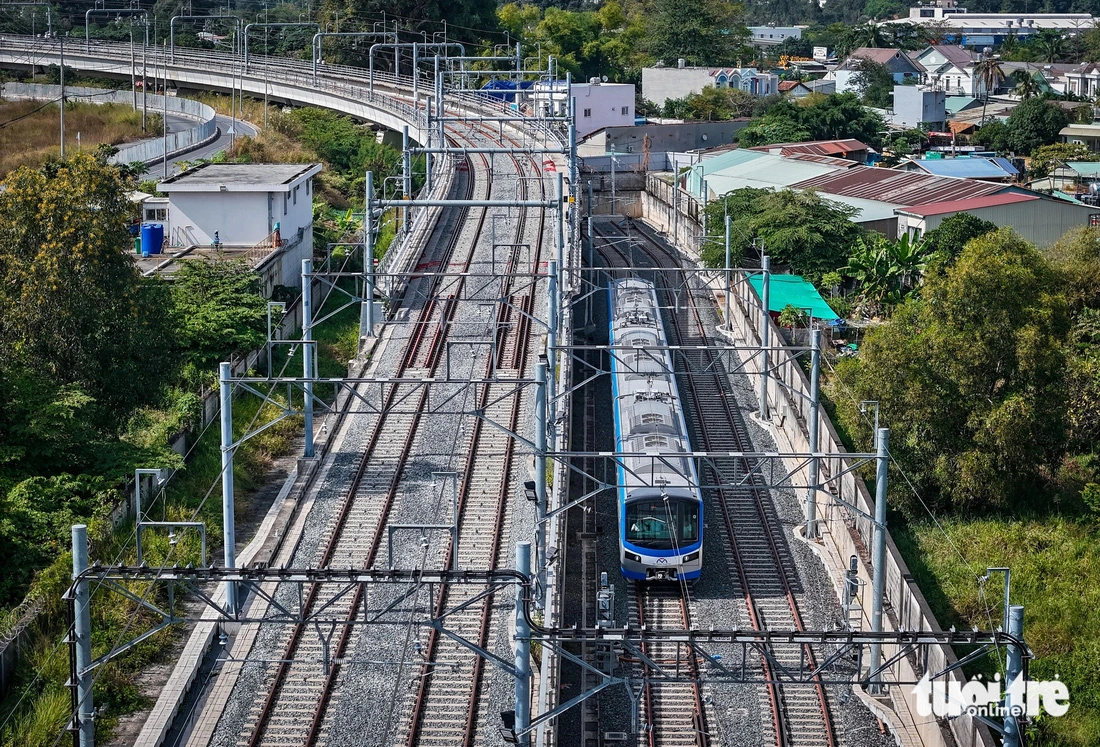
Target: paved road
223, 141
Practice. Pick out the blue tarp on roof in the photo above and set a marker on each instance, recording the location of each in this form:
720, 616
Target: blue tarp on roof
967, 168
505, 90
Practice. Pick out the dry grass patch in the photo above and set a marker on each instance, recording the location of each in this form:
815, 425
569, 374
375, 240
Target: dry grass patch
33, 135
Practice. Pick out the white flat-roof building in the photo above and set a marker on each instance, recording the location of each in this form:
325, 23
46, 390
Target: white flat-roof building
262, 212
772, 34
977, 29
598, 104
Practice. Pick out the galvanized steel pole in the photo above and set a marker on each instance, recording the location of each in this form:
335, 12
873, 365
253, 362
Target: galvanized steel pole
765, 333
560, 237
729, 280
366, 313
541, 425
225, 373
1014, 693
815, 402
406, 177
878, 578
308, 351
523, 647
552, 319
82, 636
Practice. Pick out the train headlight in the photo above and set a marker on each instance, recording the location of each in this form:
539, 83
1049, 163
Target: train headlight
691, 557
632, 557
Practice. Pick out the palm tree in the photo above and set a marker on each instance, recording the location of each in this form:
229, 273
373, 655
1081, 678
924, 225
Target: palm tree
1050, 45
989, 75
1026, 85
870, 34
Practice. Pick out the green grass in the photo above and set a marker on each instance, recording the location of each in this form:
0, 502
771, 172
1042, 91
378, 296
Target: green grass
1054, 562
44, 667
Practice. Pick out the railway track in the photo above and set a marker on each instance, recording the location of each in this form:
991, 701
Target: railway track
758, 558
447, 708
294, 705
675, 714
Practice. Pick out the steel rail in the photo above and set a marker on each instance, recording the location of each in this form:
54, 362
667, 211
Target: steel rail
519, 337
409, 359
706, 426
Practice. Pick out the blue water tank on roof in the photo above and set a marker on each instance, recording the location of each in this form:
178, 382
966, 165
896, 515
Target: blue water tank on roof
152, 238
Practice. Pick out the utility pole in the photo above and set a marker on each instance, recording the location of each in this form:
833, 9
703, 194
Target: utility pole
61, 38
523, 647
145, 75
541, 424
815, 471
878, 571
1015, 666
225, 373
765, 332
133, 65
164, 111
366, 315
308, 351
729, 279
82, 635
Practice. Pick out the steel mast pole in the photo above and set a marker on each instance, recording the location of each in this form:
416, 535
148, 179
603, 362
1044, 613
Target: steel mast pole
815, 402
225, 374
765, 333
729, 280
406, 178
307, 353
61, 38
82, 635
1014, 693
366, 315
523, 647
541, 426
878, 578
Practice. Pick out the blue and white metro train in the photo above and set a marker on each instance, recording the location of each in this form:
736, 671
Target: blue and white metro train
660, 505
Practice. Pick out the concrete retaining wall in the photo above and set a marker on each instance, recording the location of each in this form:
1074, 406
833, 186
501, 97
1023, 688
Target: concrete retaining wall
144, 151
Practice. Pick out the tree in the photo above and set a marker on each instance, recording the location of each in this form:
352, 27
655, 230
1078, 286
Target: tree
221, 312
832, 117
887, 271
768, 130
803, 230
989, 75
970, 378
73, 310
869, 35
467, 20
993, 135
1033, 123
1046, 158
880, 9
1049, 45
1026, 85
949, 238
1076, 256
707, 32
875, 83
711, 104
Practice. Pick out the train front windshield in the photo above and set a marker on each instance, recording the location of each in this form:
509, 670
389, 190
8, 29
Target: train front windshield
657, 524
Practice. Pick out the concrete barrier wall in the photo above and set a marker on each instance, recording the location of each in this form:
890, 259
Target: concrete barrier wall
848, 532
144, 151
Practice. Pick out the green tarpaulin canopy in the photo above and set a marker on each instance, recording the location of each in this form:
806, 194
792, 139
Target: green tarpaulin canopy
792, 290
